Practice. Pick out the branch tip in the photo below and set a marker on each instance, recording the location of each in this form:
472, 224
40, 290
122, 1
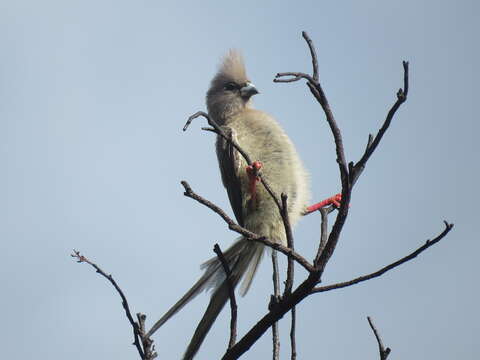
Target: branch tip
194, 116
383, 352
142, 342
313, 55
386, 268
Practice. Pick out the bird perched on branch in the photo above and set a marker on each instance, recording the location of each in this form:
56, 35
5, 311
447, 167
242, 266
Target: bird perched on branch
262, 138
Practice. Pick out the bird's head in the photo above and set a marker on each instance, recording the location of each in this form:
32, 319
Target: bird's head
230, 90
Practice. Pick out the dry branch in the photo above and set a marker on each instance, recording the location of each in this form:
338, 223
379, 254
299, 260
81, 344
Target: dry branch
349, 174
231, 293
290, 244
144, 344
248, 234
389, 267
274, 300
384, 352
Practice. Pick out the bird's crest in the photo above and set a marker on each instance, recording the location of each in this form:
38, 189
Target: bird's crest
233, 66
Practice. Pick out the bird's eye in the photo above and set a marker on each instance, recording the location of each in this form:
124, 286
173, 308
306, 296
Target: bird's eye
231, 86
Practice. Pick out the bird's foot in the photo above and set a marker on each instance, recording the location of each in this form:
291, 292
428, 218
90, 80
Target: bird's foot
254, 169
333, 200
253, 172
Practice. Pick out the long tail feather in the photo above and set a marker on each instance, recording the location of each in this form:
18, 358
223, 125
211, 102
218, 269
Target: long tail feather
217, 302
196, 289
243, 258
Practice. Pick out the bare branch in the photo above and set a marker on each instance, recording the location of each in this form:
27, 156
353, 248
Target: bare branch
389, 267
274, 300
381, 349
317, 91
290, 271
275, 342
218, 130
147, 342
146, 353
348, 175
372, 145
323, 231
231, 293
290, 244
248, 234
293, 343
313, 54
303, 290
275, 313
294, 76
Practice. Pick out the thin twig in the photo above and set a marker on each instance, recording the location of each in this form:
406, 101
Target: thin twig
137, 336
290, 244
218, 130
317, 91
147, 342
248, 234
323, 231
231, 293
313, 54
290, 271
276, 297
389, 267
293, 342
381, 348
372, 144
288, 77
275, 342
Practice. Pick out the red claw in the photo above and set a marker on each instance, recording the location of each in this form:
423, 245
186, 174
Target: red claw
252, 172
254, 168
334, 200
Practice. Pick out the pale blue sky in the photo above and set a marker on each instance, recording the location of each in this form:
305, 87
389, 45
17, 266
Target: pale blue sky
93, 98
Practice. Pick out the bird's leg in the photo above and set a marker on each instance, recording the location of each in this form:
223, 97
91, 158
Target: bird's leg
252, 172
333, 200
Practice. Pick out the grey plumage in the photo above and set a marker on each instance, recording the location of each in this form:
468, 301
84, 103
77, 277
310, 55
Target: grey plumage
229, 104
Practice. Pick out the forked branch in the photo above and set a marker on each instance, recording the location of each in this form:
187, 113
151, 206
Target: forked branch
144, 344
349, 174
248, 234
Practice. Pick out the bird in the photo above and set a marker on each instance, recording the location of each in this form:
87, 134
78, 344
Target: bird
229, 104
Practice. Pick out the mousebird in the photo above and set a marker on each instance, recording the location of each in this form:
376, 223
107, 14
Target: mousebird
259, 134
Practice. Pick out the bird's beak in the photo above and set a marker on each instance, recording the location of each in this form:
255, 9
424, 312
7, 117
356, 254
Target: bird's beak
248, 90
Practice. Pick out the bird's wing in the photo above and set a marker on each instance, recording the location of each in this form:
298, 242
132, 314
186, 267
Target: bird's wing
229, 160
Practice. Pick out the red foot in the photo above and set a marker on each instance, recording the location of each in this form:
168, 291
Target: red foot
334, 200
252, 172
